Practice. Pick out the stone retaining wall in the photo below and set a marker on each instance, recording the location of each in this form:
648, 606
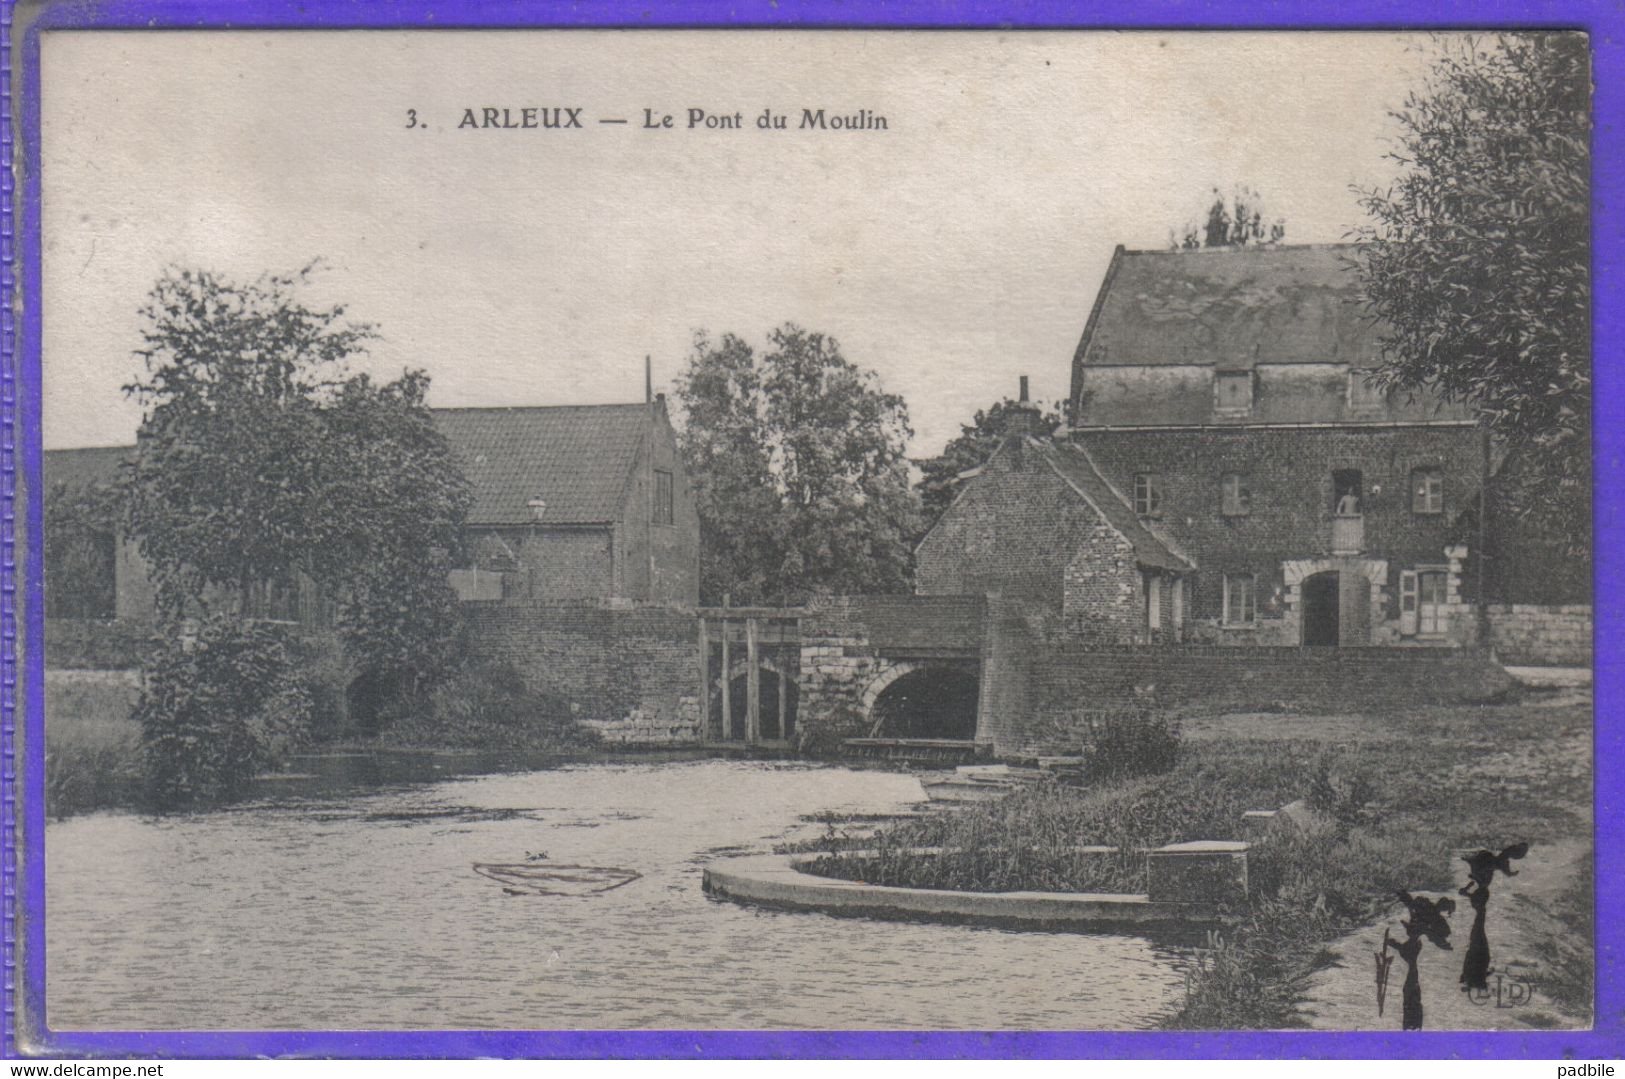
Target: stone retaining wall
1530, 635
630, 673
1071, 684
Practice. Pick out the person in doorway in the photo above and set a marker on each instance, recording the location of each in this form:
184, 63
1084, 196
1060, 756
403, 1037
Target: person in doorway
1348, 505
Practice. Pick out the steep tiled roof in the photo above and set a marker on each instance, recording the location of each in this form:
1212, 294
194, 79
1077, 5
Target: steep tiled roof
576, 458
1166, 323
1073, 465
1232, 308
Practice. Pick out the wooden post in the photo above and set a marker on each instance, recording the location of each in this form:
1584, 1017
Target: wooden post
784, 672
705, 679
727, 686
753, 686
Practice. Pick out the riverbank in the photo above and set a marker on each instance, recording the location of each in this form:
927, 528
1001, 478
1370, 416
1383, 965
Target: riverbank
1395, 797
91, 743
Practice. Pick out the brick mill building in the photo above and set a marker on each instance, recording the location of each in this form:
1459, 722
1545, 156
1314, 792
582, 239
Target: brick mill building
1230, 475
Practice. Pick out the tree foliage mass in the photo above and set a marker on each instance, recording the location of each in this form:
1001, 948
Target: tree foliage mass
797, 456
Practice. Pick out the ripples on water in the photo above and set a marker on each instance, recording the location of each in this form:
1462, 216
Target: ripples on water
365, 913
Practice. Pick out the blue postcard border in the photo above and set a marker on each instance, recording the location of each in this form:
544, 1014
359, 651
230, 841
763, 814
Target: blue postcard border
22, 808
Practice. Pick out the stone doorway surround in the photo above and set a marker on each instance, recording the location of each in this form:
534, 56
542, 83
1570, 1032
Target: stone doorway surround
1351, 571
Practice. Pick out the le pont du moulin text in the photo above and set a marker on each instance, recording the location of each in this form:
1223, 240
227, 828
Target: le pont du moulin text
559, 118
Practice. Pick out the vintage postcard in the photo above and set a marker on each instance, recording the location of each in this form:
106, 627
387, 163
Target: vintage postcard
808, 530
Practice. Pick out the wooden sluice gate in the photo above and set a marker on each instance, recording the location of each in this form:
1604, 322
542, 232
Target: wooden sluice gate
728, 635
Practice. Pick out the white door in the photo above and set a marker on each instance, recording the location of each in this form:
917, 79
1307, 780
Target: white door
1430, 613
1407, 603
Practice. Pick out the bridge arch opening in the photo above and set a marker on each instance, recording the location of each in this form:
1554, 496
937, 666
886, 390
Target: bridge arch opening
767, 697
929, 702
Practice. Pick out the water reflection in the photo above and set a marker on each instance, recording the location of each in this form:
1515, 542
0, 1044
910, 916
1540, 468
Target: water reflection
307, 911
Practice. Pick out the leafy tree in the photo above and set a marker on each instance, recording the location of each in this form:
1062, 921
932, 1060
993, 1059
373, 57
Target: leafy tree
403, 501
1236, 222
940, 483
1478, 258
799, 471
261, 459
218, 708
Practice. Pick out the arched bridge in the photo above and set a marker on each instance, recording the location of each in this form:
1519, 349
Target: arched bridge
843, 667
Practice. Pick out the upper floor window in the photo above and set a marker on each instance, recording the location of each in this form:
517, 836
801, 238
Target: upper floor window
1362, 393
1240, 599
1427, 491
1147, 494
1238, 500
662, 506
1234, 391
1347, 491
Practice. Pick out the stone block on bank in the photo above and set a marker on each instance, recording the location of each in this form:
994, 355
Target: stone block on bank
1204, 871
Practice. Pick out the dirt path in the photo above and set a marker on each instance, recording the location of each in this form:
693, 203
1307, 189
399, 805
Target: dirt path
1522, 932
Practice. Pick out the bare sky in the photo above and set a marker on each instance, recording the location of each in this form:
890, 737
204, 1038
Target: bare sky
950, 253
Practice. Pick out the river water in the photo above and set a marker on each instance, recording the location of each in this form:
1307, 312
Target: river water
355, 906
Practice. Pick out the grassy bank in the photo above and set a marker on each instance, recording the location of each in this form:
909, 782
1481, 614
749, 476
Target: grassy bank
1397, 795
91, 743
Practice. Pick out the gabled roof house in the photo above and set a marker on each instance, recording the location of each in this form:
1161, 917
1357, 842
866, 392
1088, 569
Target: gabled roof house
571, 503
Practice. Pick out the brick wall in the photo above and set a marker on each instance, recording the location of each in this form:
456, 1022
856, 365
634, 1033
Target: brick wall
91, 644
1289, 476
564, 565
1072, 683
631, 673
1013, 531
1532, 635
1013, 639
662, 561
1103, 596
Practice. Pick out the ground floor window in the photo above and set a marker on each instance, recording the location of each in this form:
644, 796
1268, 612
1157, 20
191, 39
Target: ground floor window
1240, 599
1423, 596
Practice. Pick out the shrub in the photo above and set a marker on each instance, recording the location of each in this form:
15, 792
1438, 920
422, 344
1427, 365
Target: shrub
1341, 795
217, 709
1134, 744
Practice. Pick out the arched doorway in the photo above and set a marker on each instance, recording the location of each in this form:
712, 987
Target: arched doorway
1320, 609
931, 702
767, 699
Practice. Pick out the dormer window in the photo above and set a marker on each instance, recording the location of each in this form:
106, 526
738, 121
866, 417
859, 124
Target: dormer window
1233, 392
1365, 396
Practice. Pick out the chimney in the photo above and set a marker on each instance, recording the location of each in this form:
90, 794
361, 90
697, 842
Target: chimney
648, 380
1024, 419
